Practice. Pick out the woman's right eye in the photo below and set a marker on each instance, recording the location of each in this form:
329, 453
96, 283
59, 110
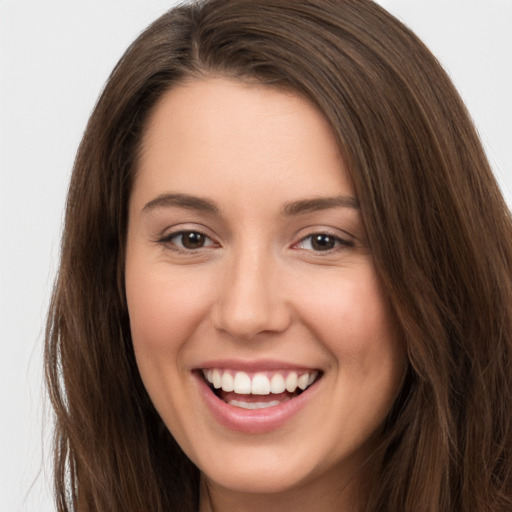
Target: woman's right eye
188, 240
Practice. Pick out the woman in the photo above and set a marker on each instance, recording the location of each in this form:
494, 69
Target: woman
285, 276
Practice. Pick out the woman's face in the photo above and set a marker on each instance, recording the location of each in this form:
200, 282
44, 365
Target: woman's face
249, 278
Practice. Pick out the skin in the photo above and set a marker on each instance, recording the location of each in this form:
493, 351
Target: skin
258, 289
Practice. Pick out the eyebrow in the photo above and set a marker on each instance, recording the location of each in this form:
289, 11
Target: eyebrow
302, 206
319, 203
182, 201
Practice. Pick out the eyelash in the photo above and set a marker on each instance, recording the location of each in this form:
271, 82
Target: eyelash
340, 243
168, 240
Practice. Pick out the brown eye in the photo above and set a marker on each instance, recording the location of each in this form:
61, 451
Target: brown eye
322, 242
187, 241
192, 240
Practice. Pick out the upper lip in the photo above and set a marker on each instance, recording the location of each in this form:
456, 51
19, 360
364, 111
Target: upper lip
250, 366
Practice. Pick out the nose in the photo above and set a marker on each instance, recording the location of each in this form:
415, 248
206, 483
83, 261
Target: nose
252, 296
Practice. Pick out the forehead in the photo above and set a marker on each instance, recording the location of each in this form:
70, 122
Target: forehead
217, 136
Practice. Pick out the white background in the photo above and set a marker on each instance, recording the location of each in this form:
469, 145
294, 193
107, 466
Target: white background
54, 58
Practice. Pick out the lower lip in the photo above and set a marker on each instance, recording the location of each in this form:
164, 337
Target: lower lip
253, 421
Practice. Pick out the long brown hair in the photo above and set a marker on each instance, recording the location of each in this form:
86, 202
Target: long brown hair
439, 230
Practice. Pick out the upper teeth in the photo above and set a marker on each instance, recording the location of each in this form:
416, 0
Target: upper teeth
259, 383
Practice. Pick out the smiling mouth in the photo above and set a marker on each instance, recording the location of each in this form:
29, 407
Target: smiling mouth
259, 390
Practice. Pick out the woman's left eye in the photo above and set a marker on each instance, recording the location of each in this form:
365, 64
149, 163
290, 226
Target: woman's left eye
323, 242
189, 240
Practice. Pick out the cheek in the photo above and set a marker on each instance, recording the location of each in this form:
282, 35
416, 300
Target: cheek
354, 322
349, 313
165, 312
164, 308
